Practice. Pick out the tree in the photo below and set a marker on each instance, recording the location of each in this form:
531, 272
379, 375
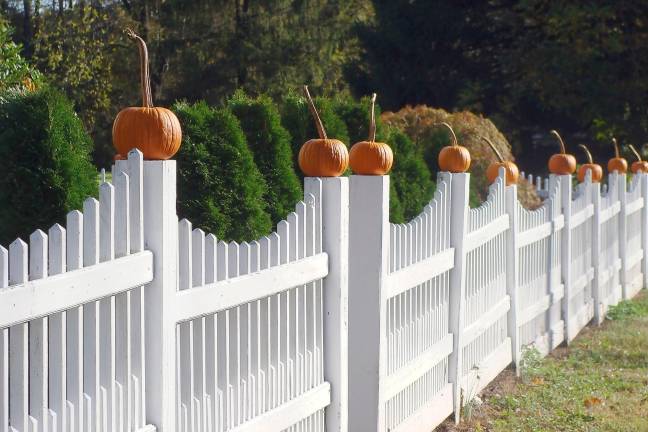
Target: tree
44, 153
220, 189
270, 145
15, 72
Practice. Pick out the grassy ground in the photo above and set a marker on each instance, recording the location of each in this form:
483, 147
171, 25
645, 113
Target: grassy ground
599, 383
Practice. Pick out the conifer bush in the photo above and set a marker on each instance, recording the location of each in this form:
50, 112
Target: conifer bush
410, 177
45, 159
296, 118
271, 147
220, 189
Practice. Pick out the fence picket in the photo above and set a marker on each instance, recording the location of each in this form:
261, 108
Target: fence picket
57, 334
4, 348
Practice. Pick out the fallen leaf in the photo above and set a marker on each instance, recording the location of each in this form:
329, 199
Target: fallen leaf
592, 402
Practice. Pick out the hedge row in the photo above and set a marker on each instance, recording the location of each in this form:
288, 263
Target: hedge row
237, 166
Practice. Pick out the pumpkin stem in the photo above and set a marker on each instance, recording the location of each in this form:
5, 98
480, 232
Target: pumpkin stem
616, 147
318, 122
492, 146
455, 142
372, 121
560, 140
587, 152
635, 152
145, 79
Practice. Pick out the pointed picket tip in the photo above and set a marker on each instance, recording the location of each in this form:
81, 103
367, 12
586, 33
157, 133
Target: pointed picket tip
56, 229
136, 154
90, 203
211, 238
18, 244
185, 224
106, 187
198, 232
38, 236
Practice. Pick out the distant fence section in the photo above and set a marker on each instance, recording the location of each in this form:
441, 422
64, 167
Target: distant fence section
128, 319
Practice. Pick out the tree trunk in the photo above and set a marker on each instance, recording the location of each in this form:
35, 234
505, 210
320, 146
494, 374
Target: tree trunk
28, 34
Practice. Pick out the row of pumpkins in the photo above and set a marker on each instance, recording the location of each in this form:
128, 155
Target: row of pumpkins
156, 132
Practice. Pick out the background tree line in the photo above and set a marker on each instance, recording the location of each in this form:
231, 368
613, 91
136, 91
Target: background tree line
529, 65
231, 69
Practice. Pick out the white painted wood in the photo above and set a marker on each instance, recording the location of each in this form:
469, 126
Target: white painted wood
643, 185
38, 336
281, 418
406, 278
515, 241
368, 267
57, 334
458, 236
566, 244
596, 248
160, 237
39, 298
4, 348
18, 345
74, 336
330, 199
236, 291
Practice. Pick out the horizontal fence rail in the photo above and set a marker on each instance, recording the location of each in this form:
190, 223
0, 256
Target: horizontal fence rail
128, 319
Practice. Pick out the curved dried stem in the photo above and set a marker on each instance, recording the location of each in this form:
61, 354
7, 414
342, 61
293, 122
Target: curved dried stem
145, 79
635, 152
492, 146
560, 140
372, 121
616, 147
455, 142
587, 152
311, 106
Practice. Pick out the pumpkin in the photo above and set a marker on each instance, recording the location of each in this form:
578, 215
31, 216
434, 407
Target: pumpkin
155, 131
638, 166
597, 170
492, 172
454, 158
323, 156
561, 163
371, 157
617, 163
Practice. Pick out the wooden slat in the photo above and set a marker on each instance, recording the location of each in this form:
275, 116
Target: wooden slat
74, 384
18, 344
415, 369
38, 331
57, 334
416, 274
474, 330
39, 298
238, 290
487, 232
4, 348
289, 413
581, 216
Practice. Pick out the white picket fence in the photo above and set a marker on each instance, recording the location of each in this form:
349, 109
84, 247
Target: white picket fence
130, 320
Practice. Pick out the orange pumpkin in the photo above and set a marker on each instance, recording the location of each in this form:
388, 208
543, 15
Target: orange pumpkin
153, 130
323, 156
454, 158
617, 163
511, 170
638, 166
371, 157
597, 170
561, 163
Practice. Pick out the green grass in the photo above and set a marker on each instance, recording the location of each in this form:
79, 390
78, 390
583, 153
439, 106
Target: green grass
600, 383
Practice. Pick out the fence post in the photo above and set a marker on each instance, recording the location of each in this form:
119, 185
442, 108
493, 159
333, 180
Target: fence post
596, 251
161, 238
644, 228
459, 192
368, 268
512, 274
623, 235
565, 265
333, 195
